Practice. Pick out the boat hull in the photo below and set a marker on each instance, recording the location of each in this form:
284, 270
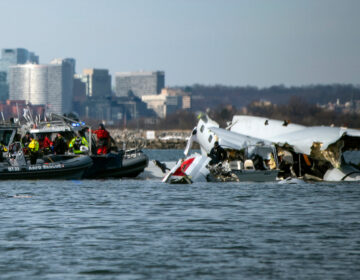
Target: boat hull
70, 169
117, 165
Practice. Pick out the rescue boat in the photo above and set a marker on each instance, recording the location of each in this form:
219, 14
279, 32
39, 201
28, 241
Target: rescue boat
127, 163
49, 168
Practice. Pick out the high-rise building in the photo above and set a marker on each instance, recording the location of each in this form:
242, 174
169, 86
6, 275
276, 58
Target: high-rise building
79, 96
98, 82
139, 83
116, 109
11, 57
4, 87
16, 56
50, 85
70, 61
168, 101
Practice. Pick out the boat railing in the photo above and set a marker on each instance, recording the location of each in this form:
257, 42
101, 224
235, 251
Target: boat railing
133, 144
132, 153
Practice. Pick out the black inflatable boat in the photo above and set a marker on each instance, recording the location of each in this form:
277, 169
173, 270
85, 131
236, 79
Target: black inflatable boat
121, 164
115, 164
49, 168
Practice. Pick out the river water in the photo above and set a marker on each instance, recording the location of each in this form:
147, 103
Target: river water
136, 229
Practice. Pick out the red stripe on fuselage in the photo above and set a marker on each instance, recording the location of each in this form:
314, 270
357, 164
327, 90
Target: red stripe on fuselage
180, 171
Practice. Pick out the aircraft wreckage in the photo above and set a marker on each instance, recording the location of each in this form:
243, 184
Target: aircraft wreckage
262, 149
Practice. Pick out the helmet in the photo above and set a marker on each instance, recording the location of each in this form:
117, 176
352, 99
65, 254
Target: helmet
84, 149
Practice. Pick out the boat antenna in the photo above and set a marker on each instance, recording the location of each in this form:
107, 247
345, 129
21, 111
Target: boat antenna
17, 110
2, 114
31, 116
63, 117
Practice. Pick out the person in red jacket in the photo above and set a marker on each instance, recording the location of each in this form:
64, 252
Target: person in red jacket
104, 139
46, 145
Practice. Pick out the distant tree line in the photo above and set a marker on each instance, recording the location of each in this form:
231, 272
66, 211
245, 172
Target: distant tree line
179, 120
294, 104
297, 110
204, 97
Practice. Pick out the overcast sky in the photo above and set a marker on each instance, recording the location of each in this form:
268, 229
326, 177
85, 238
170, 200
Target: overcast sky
229, 42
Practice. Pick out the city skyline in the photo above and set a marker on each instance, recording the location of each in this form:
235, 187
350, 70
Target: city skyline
259, 43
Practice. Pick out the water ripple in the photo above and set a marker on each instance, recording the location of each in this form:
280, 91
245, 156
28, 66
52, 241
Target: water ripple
133, 229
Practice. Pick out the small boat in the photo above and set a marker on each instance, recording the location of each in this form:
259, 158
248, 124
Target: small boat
251, 168
115, 164
14, 165
127, 164
239, 174
51, 168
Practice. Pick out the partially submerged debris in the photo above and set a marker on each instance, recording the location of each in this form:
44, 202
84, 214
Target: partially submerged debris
295, 151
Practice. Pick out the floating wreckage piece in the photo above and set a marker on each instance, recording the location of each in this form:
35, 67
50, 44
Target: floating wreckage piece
262, 149
333, 153
248, 158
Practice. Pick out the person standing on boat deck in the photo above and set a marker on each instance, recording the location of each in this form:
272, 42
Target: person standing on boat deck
104, 139
46, 145
33, 149
217, 154
60, 145
76, 143
26, 139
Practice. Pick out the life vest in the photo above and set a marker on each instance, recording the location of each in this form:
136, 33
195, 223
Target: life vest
102, 134
307, 160
47, 143
3, 148
77, 143
34, 146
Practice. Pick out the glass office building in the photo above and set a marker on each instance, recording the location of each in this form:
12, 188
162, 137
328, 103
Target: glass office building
11, 57
139, 83
50, 85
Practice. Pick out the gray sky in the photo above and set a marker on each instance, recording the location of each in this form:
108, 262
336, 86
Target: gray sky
230, 42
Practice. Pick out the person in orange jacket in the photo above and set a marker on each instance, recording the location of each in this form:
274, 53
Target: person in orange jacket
104, 140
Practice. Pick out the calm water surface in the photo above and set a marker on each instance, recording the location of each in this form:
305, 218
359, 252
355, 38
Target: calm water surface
134, 229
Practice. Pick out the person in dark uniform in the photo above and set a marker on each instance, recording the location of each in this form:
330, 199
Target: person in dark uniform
60, 145
25, 141
217, 154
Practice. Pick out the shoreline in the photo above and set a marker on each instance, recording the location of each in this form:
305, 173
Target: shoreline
152, 139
